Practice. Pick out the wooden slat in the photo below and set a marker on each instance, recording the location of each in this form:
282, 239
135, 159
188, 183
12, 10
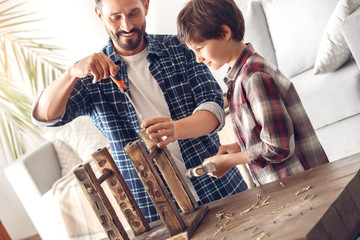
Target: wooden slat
3, 233
100, 203
121, 192
155, 187
159, 232
171, 175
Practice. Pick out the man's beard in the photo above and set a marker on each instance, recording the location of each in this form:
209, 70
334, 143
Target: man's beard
129, 44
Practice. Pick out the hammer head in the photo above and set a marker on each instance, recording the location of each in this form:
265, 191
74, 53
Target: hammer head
200, 170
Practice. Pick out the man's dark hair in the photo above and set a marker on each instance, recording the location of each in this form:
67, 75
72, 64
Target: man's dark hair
202, 19
98, 4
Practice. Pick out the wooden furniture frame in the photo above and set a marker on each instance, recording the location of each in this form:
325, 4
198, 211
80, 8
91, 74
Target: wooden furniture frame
175, 225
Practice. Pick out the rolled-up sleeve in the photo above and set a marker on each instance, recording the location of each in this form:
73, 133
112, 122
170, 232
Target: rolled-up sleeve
215, 109
38, 123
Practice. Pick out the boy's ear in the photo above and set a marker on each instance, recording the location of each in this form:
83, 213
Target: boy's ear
226, 32
98, 13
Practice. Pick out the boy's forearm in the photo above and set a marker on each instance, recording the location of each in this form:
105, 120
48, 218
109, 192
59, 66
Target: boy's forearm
52, 102
200, 123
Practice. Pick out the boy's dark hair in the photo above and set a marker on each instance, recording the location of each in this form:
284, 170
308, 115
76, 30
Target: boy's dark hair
200, 20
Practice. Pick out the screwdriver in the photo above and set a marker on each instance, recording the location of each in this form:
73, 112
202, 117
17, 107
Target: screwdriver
124, 90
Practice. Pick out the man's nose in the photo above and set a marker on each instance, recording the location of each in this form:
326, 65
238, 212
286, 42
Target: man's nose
126, 24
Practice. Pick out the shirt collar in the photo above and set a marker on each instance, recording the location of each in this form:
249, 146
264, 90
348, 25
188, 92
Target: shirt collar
234, 70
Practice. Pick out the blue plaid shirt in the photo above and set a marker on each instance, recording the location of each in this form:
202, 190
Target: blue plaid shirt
185, 85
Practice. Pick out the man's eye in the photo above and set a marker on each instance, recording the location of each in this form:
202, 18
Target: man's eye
135, 13
115, 18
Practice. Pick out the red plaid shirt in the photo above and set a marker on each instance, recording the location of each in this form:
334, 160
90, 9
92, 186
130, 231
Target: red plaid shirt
270, 122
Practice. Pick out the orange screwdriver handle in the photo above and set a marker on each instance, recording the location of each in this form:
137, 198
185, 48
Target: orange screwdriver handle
120, 83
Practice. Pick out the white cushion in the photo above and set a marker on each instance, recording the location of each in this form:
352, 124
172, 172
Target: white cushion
333, 51
47, 218
351, 32
67, 156
256, 31
82, 135
296, 28
332, 97
341, 139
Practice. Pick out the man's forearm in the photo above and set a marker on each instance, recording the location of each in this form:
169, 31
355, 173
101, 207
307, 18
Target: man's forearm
53, 100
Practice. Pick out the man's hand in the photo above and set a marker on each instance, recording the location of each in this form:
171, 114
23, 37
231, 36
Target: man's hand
161, 128
97, 64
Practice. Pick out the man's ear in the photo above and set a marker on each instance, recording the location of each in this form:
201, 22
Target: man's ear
98, 13
226, 32
146, 5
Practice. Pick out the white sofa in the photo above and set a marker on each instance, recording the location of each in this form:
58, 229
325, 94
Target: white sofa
288, 33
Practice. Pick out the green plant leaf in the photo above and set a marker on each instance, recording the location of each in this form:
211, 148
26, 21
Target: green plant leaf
27, 65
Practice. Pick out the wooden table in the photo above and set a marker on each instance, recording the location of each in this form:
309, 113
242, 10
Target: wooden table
329, 209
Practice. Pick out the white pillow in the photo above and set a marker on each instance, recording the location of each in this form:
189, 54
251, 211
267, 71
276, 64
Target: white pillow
334, 51
351, 32
81, 134
68, 158
257, 32
296, 28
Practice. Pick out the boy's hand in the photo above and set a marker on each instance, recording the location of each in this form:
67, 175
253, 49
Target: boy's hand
223, 164
228, 149
227, 157
161, 128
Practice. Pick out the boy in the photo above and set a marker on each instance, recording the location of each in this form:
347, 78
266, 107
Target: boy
274, 134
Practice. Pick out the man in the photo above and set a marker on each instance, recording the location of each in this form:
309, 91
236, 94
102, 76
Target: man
179, 98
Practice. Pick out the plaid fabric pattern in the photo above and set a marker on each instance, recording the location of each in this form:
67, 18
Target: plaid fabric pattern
270, 121
185, 85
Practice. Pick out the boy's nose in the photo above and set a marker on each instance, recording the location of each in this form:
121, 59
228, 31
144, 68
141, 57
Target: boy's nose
199, 58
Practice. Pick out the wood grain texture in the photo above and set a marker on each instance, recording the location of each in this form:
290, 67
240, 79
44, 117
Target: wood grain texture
332, 214
100, 203
121, 192
174, 179
155, 188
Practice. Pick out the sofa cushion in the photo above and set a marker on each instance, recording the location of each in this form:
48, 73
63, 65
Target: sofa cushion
333, 51
331, 97
296, 28
256, 31
67, 156
41, 159
351, 32
81, 134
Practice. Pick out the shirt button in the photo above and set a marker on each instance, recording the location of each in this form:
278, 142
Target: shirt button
130, 106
